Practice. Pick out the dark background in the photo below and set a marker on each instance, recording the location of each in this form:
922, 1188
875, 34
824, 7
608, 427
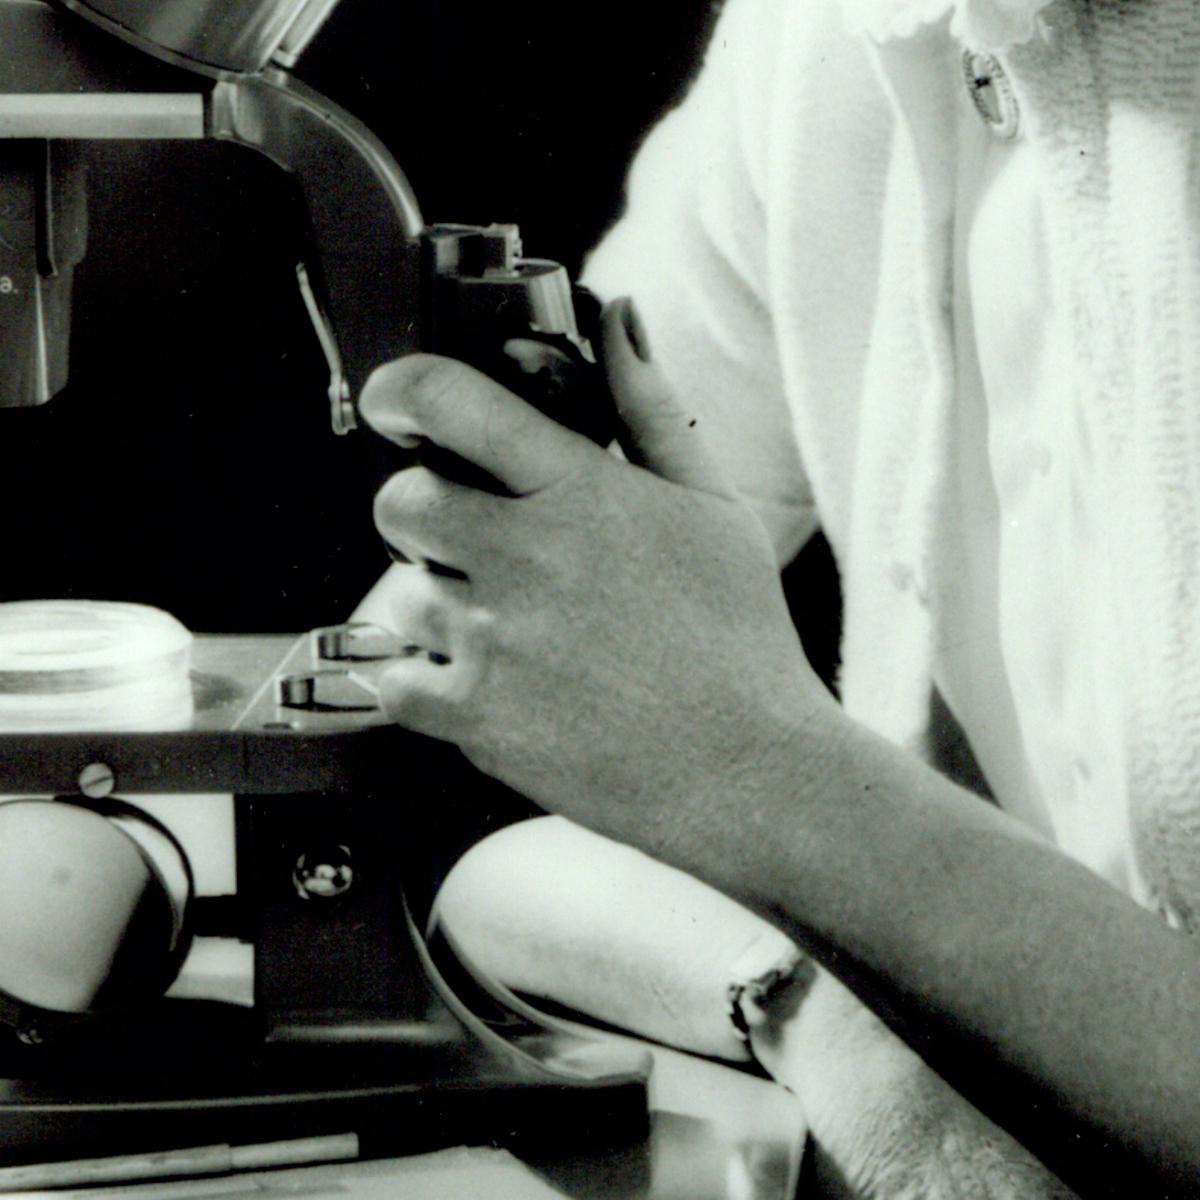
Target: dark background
189, 464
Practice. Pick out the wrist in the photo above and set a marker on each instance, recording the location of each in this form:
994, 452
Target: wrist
738, 815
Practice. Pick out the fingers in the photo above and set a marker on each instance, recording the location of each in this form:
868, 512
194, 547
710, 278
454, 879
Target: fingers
427, 693
660, 434
432, 520
421, 695
421, 608
424, 688
422, 397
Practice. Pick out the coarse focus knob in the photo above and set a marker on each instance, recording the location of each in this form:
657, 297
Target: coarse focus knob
323, 873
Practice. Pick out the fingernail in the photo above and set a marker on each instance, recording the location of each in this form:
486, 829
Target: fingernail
413, 650
547, 366
403, 439
390, 424
635, 331
397, 430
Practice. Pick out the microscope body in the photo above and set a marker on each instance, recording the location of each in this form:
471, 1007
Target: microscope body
334, 808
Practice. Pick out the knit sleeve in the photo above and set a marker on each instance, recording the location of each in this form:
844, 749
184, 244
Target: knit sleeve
691, 251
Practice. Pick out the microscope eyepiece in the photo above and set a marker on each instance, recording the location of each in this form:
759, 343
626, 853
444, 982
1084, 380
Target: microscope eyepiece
221, 37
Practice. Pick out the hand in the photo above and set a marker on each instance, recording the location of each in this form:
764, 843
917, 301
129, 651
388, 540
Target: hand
619, 647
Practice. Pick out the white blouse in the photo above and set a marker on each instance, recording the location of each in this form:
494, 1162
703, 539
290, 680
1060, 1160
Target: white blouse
1015, 658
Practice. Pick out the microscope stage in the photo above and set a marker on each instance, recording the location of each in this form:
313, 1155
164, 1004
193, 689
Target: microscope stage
241, 740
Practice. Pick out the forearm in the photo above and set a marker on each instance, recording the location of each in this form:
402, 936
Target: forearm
1048, 998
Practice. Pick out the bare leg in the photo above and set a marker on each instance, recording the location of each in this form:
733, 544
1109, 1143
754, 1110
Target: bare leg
555, 911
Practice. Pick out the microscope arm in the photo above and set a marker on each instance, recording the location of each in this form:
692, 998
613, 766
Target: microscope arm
364, 222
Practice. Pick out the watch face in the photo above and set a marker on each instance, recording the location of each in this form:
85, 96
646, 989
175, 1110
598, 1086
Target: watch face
217, 36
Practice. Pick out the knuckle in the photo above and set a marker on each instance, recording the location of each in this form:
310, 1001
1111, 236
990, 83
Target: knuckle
384, 380
413, 385
420, 593
508, 426
386, 387
407, 496
659, 400
414, 610
481, 623
430, 382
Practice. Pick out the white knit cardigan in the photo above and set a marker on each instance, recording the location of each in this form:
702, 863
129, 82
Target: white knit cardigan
788, 241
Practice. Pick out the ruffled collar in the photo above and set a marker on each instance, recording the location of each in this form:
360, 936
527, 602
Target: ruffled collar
980, 24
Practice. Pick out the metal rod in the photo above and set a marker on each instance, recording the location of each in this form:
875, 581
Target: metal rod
94, 115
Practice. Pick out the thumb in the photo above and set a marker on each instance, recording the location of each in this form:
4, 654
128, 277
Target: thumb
658, 432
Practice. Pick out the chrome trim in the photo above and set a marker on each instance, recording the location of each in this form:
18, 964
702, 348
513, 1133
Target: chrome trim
101, 116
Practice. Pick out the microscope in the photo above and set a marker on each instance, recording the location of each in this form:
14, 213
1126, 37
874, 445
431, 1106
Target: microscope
357, 1023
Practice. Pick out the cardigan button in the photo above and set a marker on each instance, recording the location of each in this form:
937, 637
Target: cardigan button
900, 575
991, 93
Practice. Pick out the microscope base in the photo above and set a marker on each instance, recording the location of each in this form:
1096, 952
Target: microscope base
399, 1098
